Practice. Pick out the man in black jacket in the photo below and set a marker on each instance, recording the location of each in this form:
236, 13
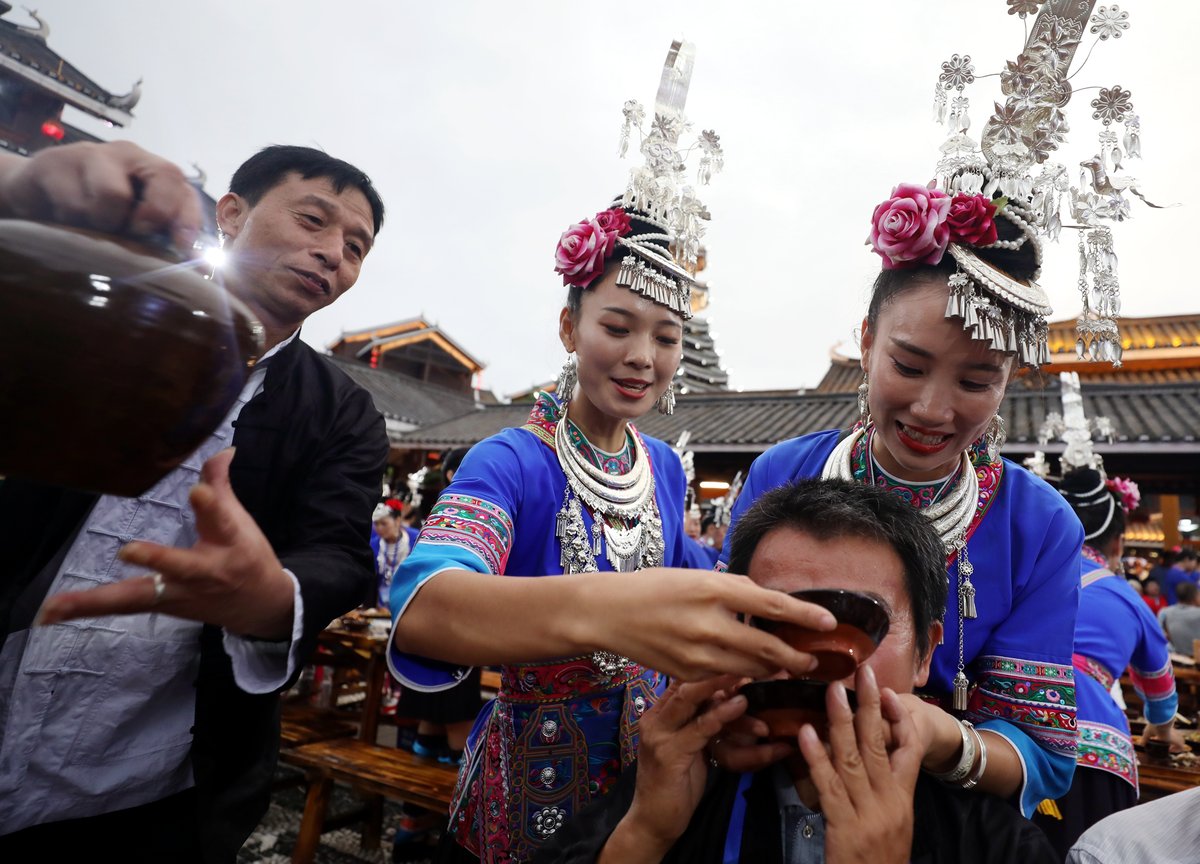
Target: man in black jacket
863, 802
139, 710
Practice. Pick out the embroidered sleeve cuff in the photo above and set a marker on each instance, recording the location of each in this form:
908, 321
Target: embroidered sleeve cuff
421, 673
1044, 774
264, 667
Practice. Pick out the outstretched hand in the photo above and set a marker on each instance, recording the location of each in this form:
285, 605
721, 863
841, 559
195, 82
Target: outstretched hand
866, 786
114, 187
230, 577
686, 623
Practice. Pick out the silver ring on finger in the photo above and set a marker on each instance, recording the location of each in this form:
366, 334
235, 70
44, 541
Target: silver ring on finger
160, 587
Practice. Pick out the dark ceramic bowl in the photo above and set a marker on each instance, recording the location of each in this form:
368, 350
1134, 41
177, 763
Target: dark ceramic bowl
115, 364
787, 704
862, 625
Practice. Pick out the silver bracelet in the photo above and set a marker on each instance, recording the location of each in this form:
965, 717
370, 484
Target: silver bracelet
960, 771
977, 775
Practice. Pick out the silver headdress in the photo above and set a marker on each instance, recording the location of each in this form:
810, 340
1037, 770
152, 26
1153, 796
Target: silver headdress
665, 260
658, 222
1020, 135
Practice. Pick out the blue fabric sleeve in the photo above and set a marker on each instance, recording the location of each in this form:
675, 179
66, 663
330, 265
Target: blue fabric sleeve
1026, 681
1152, 674
755, 483
470, 528
795, 459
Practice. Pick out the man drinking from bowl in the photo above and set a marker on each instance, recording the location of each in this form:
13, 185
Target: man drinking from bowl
861, 797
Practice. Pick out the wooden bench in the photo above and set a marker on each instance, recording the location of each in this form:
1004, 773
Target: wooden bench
489, 683
373, 771
302, 724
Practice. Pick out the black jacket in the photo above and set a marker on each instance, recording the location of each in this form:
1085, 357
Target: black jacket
951, 826
311, 449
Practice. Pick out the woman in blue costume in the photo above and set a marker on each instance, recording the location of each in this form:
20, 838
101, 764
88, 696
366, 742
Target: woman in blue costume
1115, 629
953, 313
576, 490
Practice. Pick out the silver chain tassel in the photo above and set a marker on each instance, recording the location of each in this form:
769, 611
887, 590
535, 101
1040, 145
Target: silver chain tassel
966, 609
966, 591
960, 691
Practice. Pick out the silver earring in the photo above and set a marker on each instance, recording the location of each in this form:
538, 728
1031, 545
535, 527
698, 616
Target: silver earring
564, 388
666, 402
864, 407
995, 435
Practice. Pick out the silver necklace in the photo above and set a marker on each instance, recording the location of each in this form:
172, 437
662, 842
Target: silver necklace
626, 524
624, 513
951, 518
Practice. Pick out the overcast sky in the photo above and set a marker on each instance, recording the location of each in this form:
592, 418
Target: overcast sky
490, 127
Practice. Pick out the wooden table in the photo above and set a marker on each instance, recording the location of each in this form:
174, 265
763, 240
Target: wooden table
371, 650
1158, 777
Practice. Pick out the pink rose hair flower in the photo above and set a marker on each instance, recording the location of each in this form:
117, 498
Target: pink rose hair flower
972, 220
909, 229
584, 247
1127, 492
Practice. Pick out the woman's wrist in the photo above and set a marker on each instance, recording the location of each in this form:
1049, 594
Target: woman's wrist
947, 745
589, 630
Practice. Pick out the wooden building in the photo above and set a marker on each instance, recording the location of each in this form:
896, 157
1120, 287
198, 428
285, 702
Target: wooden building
36, 84
413, 348
1153, 402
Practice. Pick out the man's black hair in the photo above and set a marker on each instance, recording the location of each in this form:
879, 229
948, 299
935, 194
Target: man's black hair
1185, 592
267, 168
830, 509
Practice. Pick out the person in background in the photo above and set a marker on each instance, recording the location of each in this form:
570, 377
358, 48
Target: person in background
140, 720
1181, 622
699, 555
712, 533
1153, 597
1114, 630
391, 544
1158, 573
865, 802
1183, 570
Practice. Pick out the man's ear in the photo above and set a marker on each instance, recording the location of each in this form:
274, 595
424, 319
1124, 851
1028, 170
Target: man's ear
921, 675
232, 210
566, 329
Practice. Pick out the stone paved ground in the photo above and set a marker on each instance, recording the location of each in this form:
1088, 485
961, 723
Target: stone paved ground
273, 841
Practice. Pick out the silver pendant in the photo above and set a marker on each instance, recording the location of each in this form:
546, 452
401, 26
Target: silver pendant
624, 546
966, 599
960, 691
609, 663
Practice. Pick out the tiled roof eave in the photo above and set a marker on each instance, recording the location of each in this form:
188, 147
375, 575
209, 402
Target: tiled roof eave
65, 92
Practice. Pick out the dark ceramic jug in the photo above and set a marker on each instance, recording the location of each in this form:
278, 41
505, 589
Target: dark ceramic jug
115, 363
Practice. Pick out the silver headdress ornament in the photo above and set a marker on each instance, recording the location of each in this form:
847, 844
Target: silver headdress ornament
723, 506
1077, 431
688, 460
663, 264
1075, 428
1021, 134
